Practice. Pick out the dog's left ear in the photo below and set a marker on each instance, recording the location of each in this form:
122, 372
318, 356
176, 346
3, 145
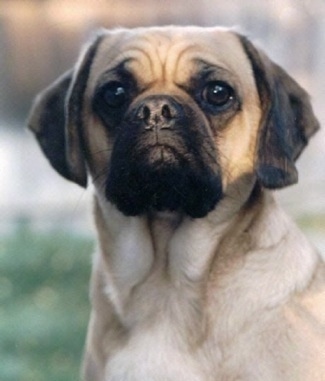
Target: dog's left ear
56, 119
287, 120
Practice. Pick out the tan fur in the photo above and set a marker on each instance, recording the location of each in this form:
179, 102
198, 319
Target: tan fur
235, 296
158, 61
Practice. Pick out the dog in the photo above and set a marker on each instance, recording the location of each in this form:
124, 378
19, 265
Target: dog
185, 133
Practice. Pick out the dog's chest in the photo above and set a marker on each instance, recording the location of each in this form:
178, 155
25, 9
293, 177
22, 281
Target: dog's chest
175, 328
168, 319
165, 263
162, 352
163, 308
154, 355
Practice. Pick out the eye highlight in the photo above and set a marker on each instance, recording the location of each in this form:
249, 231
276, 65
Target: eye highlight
218, 94
114, 94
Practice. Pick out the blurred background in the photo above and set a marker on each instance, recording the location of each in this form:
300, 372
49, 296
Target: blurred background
46, 233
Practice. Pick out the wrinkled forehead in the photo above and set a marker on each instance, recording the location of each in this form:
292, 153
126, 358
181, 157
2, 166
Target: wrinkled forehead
171, 53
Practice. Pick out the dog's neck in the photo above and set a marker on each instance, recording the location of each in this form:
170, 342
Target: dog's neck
167, 246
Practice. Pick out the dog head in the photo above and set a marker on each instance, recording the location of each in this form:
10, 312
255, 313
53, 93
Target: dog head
172, 118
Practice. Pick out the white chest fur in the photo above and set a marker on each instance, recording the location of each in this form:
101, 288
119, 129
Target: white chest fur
154, 354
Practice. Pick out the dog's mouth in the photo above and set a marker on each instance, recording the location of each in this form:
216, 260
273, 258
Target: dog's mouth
162, 155
161, 179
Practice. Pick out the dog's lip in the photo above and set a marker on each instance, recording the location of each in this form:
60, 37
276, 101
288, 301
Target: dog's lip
162, 152
162, 147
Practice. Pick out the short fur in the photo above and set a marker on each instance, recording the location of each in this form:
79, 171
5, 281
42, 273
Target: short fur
199, 274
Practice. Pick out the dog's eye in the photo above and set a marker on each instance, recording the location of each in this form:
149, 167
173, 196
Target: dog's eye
217, 93
114, 94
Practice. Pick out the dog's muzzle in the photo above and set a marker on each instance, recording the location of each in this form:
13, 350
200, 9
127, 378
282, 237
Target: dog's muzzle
159, 161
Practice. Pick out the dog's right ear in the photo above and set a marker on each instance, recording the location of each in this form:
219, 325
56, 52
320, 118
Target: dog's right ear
56, 119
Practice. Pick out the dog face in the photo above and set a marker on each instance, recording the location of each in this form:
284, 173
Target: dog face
173, 118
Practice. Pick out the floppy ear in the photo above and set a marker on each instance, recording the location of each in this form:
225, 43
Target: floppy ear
287, 121
56, 119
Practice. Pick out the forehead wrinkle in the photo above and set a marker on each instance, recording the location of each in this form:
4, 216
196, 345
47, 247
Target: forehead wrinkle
136, 56
130, 54
158, 46
175, 62
160, 57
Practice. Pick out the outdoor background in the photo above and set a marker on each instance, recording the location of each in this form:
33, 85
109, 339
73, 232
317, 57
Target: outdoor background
46, 233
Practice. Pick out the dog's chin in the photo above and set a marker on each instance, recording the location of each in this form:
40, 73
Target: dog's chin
162, 183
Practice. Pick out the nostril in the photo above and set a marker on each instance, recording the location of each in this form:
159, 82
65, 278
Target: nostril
166, 112
146, 113
158, 111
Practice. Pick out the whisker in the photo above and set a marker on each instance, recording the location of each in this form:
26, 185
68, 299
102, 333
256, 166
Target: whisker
99, 175
102, 151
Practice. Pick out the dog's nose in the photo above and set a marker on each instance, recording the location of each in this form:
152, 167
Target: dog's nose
158, 112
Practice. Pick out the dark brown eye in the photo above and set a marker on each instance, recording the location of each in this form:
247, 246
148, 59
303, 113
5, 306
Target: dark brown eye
114, 94
217, 93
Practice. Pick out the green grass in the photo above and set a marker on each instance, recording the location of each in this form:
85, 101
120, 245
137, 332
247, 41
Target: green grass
312, 222
44, 305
